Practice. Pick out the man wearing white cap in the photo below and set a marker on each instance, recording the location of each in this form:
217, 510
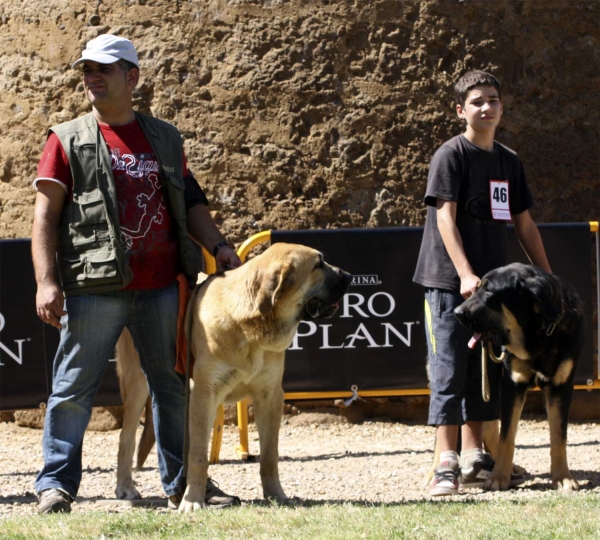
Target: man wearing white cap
115, 211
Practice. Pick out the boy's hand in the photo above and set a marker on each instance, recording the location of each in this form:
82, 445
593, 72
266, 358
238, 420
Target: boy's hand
468, 284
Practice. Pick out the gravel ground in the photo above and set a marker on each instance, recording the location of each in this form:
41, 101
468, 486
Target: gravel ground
322, 459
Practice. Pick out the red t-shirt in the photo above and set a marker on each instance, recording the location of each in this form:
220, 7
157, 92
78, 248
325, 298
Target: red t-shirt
147, 229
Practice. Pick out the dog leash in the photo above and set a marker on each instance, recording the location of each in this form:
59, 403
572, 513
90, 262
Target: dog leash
188, 363
485, 383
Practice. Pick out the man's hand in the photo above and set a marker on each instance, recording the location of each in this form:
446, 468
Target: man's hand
49, 203
50, 302
205, 232
468, 284
227, 259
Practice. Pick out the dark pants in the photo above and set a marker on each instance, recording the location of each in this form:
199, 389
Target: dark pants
454, 369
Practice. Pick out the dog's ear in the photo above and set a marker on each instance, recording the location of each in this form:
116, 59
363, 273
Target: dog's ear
275, 282
546, 296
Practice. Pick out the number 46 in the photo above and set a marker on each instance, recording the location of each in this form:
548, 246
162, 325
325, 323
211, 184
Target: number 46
500, 194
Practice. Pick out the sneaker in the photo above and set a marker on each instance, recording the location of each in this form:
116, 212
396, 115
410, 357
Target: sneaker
215, 498
445, 479
480, 471
52, 501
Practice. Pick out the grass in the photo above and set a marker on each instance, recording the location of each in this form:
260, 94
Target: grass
552, 516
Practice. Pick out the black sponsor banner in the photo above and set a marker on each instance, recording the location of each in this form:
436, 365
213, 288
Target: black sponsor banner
24, 370
569, 250
376, 340
27, 345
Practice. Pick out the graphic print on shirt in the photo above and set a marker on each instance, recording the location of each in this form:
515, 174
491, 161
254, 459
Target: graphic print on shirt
138, 173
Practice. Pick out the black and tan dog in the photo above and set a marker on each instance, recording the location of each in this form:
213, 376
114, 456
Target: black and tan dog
538, 319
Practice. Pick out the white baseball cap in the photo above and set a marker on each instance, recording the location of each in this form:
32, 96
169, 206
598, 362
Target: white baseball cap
107, 49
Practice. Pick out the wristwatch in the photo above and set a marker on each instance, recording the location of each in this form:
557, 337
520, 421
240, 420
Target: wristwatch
218, 247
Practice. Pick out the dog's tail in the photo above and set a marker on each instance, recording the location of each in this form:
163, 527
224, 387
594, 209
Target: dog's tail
148, 437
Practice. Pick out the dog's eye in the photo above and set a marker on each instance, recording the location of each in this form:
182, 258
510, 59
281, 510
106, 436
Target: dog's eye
320, 264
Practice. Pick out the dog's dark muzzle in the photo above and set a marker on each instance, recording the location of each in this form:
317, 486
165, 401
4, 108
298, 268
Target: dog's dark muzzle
317, 310
465, 316
473, 314
325, 304
482, 328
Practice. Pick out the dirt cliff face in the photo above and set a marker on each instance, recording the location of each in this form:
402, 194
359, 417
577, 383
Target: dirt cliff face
312, 114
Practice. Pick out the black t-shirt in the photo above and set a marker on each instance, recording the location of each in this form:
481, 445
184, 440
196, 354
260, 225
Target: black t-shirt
461, 172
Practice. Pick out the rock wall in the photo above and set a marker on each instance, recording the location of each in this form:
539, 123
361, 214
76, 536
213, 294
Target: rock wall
313, 114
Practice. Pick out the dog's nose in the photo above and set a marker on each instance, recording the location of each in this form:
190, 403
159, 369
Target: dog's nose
465, 316
345, 276
460, 313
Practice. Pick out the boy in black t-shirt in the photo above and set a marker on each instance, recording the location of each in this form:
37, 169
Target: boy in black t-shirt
475, 185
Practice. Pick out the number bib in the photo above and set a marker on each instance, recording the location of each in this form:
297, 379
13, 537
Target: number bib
499, 200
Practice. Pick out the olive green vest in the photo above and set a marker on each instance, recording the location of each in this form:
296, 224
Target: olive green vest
91, 255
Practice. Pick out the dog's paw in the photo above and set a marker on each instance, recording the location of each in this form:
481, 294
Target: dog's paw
497, 482
289, 503
281, 501
187, 507
517, 469
127, 492
273, 492
193, 500
565, 484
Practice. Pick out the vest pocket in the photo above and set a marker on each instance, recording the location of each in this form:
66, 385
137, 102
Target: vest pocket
83, 157
98, 265
88, 209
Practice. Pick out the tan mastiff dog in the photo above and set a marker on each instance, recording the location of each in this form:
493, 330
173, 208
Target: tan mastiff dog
242, 323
